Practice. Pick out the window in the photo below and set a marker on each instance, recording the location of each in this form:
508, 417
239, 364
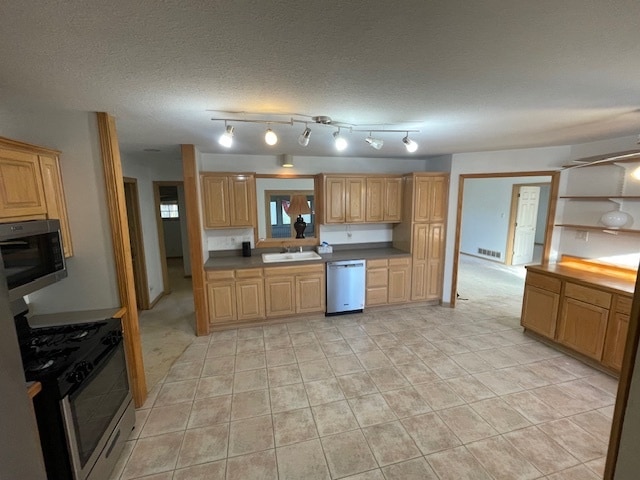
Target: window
169, 210
280, 222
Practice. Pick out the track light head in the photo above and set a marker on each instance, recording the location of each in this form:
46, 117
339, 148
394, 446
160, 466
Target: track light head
226, 139
409, 144
374, 142
341, 142
303, 139
270, 137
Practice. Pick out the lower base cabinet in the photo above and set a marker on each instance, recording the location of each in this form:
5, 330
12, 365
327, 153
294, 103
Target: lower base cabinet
235, 295
388, 281
588, 320
291, 290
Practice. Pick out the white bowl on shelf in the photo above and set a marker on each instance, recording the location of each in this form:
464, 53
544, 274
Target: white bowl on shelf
615, 219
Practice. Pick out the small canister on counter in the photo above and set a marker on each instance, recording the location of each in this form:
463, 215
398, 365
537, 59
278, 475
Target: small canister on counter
246, 249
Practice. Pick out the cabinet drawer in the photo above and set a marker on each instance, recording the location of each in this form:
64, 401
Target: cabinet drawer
220, 275
249, 273
588, 295
400, 261
543, 281
377, 263
623, 305
281, 271
377, 277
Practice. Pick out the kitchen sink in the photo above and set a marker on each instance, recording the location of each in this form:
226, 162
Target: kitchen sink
290, 257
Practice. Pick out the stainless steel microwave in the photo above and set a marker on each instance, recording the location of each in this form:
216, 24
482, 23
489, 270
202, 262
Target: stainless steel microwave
32, 255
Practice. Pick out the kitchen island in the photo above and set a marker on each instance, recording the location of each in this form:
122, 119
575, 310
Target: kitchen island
581, 306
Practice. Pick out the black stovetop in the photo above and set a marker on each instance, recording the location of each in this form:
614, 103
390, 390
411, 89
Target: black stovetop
64, 355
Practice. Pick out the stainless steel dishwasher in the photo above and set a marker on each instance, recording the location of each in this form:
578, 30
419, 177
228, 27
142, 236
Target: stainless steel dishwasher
345, 286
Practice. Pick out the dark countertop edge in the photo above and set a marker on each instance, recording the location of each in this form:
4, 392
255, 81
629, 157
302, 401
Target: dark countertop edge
226, 263
613, 283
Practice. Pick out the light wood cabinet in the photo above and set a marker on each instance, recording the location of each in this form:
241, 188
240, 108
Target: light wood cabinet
290, 290
229, 200
586, 311
427, 265
54, 196
235, 295
384, 199
429, 199
362, 198
617, 330
21, 189
540, 304
388, 281
31, 187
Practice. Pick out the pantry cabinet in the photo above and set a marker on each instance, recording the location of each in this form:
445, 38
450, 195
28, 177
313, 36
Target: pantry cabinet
228, 200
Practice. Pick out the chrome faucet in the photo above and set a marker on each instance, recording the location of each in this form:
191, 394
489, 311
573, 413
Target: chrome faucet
300, 248
286, 249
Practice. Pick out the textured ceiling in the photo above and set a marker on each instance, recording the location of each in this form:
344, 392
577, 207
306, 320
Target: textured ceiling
469, 75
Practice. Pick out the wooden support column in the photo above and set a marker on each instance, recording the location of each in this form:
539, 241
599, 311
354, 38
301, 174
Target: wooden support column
194, 229
122, 252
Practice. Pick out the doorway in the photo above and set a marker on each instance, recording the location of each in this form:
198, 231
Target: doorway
132, 202
172, 232
483, 233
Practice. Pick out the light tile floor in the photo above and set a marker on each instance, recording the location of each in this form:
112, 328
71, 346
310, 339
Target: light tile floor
410, 392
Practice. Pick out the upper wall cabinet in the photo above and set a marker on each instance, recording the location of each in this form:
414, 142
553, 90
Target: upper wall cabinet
31, 187
362, 199
21, 190
228, 200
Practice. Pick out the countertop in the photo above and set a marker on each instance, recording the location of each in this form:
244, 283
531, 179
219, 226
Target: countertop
255, 261
617, 281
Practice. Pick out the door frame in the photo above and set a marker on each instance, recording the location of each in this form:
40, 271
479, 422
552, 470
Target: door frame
140, 279
513, 213
166, 287
551, 213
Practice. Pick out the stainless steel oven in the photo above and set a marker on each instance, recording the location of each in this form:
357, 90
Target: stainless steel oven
85, 411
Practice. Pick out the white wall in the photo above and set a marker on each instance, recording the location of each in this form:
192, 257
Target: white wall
91, 281
146, 172
229, 239
526, 160
172, 237
543, 207
485, 213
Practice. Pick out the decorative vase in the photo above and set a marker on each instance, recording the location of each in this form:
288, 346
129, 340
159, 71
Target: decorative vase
615, 219
300, 225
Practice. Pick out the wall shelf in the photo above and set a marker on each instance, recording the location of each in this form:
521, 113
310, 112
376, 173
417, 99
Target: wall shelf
597, 228
603, 197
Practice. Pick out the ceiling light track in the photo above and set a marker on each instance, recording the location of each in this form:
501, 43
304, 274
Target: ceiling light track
271, 138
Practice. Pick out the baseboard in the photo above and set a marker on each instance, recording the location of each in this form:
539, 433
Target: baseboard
156, 300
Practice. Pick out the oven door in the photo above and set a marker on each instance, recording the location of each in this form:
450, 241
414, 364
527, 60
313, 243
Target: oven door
98, 417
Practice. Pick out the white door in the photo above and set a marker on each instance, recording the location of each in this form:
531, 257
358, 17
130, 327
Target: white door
525, 230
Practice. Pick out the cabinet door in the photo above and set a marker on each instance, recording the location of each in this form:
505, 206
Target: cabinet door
392, 199
582, 327
54, 196
435, 261
222, 302
355, 200
616, 340
310, 293
215, 200
250, 299
377, 292
540, 310
430, 200
335, 200
241, 207
279, 296
21, 190
375, 199
399, 283
420, 258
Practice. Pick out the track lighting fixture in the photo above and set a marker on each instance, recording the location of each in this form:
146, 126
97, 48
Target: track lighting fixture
340, 141
376, 143
270, 137
226, 139
409, 144
303, 139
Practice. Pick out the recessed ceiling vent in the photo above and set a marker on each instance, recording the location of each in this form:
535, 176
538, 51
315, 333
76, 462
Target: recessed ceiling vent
323, 119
